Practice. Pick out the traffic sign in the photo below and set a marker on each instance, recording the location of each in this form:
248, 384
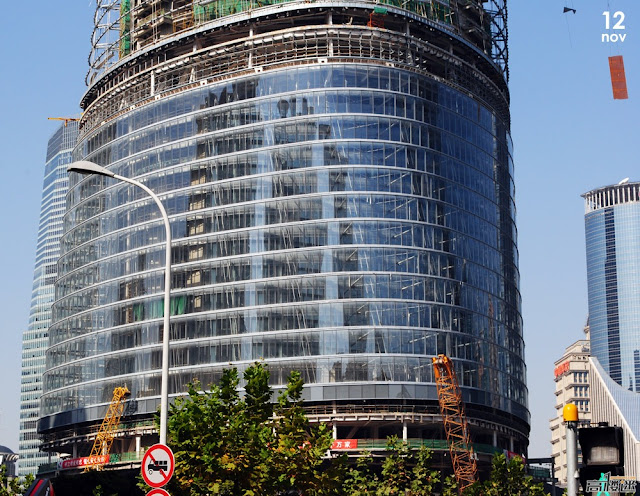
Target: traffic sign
157, 465
158, 492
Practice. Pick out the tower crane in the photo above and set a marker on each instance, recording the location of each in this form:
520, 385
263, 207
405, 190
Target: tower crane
104, 438
455, 422
66, 120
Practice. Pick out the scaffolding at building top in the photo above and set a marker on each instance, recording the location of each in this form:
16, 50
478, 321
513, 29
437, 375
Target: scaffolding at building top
123, 27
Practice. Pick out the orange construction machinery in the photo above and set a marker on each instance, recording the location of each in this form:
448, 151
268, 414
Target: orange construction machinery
455, 422
66, 120
104, 438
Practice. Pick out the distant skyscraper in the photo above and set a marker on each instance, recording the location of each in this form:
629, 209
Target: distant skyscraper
340, 187
612, 224
35, 339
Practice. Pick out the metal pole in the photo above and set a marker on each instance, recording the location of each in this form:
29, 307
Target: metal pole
572, 459
164, 388
87, 167
570, 415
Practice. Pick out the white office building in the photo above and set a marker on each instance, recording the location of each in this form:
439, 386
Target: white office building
572, 386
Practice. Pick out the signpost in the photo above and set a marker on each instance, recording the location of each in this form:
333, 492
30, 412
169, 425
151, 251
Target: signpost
157, 466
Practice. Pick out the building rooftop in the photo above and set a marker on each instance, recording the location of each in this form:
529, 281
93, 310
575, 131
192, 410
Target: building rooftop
612, 195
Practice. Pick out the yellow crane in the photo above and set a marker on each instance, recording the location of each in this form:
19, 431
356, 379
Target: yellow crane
455, 422
104, 438
66, 120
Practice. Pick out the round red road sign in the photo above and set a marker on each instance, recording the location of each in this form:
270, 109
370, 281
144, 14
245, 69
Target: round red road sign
157, 465
158, 492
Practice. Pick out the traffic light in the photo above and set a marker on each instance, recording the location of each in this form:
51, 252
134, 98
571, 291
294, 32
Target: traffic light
602, 452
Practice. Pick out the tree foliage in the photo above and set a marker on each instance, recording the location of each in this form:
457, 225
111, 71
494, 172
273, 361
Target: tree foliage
14, 486
230, 444
508, 478
403, 472
248, 446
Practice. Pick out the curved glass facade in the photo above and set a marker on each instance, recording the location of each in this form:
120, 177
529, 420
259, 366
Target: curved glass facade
345, 218
612, 224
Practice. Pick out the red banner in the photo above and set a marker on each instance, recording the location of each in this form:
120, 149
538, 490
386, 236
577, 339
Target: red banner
345, 444
83, 462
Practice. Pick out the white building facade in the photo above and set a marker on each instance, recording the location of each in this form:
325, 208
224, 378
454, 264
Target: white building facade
618, 407
572, 386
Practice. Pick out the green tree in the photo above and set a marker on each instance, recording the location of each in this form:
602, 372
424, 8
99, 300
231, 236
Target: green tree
403, 472
15, 486
298, 459
246, 446
508, 478
360, 479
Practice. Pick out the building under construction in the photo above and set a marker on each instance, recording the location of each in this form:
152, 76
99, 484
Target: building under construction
339, 181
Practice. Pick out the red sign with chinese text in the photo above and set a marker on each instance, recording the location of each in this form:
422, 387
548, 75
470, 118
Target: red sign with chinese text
344, 444
561, 369
83, 462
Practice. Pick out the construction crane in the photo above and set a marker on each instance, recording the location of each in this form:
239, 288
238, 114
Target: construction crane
66, 120
455, 422
104, 438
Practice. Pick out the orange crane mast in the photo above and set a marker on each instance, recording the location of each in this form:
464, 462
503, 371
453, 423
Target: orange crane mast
455, 422
104, 438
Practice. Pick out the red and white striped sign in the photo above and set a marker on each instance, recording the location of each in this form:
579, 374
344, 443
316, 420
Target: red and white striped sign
83, 462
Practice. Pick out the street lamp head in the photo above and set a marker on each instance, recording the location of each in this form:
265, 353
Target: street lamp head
86, 167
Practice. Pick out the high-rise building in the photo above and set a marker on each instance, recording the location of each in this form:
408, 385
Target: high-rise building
612, 225
339, 181
572, 386
35, 338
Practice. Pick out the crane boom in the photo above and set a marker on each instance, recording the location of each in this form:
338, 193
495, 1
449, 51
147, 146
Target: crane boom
66, 120
455, 422
104, 438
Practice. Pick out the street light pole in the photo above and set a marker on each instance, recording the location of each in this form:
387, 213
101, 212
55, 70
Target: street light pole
570, 416
86, 167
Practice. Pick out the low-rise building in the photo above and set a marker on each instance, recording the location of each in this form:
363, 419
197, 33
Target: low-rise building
572, 386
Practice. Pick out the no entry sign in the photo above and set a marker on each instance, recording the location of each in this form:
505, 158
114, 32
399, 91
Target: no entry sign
157, 465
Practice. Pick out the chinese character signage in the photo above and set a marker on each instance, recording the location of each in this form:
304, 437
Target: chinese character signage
344, 444
83, 462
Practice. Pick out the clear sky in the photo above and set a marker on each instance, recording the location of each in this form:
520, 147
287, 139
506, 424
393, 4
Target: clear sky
569, 136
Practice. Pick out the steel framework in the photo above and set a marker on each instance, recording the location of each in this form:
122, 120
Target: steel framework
105, 38
104, 438
122, 27
455, 422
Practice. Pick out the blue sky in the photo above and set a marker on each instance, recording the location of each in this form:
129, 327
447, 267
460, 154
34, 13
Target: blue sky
569, 136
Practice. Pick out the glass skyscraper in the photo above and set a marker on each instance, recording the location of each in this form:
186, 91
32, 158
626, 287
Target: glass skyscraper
339, 180
35, 338
612, 224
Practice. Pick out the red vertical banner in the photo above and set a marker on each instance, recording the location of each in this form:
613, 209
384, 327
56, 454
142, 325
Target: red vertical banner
618, 78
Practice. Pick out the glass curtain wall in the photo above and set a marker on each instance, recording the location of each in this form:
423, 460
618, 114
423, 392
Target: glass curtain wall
35, 338
612, 224
346, 217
